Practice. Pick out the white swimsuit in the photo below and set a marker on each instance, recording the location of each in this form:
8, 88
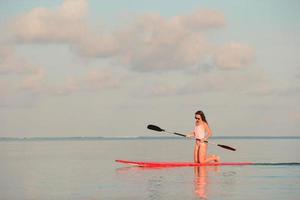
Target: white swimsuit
199, 132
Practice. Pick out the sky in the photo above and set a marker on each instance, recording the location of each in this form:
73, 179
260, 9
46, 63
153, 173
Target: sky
101, 68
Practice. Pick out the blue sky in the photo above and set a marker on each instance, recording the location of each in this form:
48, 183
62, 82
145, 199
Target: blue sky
97, 68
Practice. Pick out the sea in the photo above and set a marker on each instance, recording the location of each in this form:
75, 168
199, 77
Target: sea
84, 168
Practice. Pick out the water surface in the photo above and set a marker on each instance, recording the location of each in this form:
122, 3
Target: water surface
85, 169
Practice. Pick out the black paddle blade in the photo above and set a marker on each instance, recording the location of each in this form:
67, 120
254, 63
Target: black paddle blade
226, 147
154, 128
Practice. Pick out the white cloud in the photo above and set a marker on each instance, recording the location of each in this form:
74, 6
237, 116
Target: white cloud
234, 56
99, 79
35, 82
93, 80
96, 46
11, 63
249, 83
203, 19
66, 24
156, 43
151, 43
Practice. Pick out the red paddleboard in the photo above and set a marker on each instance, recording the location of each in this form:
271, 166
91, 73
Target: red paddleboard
180, 164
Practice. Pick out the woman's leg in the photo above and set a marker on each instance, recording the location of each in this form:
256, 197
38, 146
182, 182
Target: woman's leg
203, 158
212, 158
196, 151
202, 152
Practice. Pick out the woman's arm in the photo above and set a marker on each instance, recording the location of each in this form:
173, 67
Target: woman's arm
190, 135
208, 131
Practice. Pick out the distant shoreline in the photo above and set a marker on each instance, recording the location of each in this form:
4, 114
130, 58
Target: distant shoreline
95, 138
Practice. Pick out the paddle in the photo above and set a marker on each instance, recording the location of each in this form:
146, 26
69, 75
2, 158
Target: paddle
156, 128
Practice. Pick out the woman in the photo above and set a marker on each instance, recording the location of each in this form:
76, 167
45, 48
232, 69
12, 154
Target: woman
201, 133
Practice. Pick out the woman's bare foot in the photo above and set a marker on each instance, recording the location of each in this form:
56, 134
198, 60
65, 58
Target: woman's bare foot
216, 158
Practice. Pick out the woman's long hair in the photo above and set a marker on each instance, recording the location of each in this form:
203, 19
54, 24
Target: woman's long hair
199, 112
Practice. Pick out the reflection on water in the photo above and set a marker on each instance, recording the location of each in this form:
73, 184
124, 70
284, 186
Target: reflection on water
201, 181
153, 178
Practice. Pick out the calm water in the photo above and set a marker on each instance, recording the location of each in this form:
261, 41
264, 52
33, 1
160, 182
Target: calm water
85, 169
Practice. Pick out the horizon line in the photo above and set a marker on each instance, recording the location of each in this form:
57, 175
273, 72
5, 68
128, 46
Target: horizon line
4, 138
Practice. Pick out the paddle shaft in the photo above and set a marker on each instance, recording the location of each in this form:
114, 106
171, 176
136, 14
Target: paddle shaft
219, 145
179, 134
156, 128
